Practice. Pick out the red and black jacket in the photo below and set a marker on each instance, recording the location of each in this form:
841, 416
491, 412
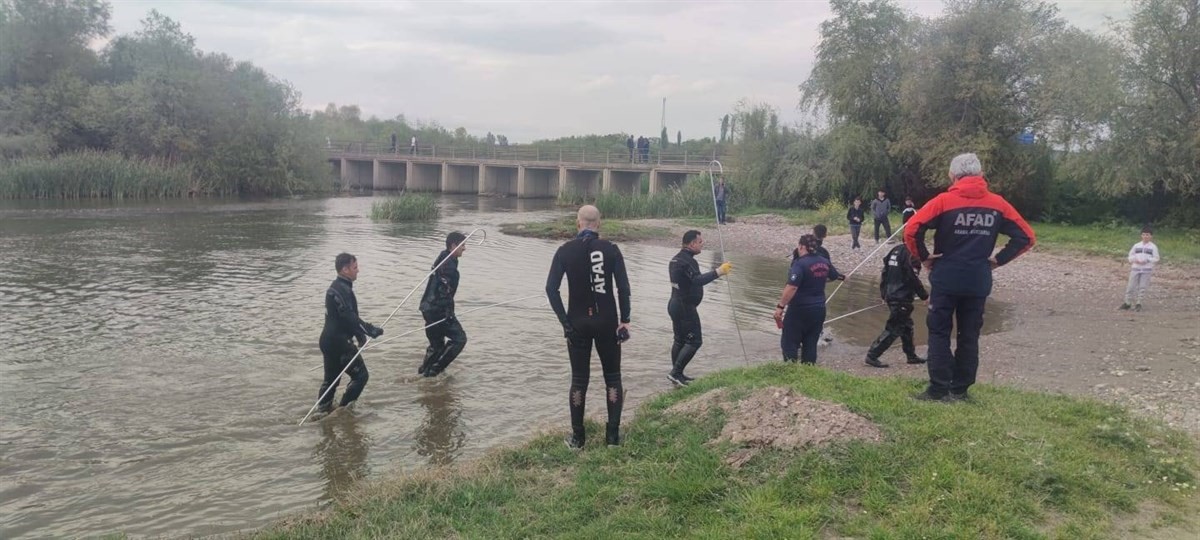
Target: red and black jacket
967, 218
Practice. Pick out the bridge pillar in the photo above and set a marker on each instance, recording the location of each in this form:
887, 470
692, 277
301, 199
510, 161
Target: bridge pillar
501, 180
389, 175
654, 187
460, 178
538, 182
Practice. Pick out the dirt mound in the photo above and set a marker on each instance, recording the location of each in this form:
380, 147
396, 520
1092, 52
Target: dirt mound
778, 417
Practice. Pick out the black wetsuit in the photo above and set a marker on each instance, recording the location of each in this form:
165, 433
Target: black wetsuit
897, 284
592, 266
447, 338
687, 291
342, 326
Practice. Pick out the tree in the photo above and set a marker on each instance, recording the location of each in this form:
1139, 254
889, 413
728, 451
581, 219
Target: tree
724, 128
679, 138
664, 139
1155, 147
39, 39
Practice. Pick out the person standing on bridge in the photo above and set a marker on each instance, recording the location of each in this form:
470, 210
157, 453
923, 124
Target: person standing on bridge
412, 145
592, 266
342, 326
629, 143
393, 142
447, 338
967, 218
687, 291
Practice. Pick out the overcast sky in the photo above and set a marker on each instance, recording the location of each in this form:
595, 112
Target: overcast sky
534, 69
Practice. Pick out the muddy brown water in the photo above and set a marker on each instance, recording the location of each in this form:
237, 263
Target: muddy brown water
155, 356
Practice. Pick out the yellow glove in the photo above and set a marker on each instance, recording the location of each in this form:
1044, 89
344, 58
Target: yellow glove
725, 269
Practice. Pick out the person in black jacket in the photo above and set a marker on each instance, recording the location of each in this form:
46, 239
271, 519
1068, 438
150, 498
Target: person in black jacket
342, 325
897, 285
447, 338
687, 291
592, 266
854, 215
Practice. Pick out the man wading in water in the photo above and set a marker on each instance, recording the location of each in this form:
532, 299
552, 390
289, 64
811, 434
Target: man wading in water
446, 339
342, 326
591, 266
687, 291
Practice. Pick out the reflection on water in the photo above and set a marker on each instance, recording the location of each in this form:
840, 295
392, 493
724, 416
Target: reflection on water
440, 436
342, 452
156, 355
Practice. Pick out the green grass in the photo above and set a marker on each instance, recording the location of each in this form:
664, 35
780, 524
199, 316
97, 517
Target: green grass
565, 228
1109, 240
95, 175
694, 198
1012, 464
406, 207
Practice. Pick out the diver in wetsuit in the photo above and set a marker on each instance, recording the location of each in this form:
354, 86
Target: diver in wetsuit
447, 338
687, 291
342, 326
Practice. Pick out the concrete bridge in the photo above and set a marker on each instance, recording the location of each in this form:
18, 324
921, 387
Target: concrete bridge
521, 171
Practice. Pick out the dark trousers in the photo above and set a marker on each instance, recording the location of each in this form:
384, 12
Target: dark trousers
720, 211
855, 229
603, 334
953, 372
899, 325
801, 332
887, 226
685, 324
337, 353
446, 341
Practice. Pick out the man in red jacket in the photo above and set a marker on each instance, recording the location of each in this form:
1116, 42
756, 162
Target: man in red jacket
967, 218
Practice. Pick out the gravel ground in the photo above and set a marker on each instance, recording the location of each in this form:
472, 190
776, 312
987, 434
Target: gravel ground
1067, 335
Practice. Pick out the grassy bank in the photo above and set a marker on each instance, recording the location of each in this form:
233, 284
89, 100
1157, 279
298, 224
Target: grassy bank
1177, 245
94, 175
694, 198
565, 228
1011, 464
406, 207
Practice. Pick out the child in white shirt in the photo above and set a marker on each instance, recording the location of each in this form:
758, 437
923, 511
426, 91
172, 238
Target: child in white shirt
1142, 257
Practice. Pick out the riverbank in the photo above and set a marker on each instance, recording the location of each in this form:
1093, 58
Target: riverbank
1066, 334
565, 228
1009, 464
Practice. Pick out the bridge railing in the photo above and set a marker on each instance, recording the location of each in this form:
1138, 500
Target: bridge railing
530, 153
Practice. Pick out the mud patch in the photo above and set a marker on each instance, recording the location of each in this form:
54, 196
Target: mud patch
778, 417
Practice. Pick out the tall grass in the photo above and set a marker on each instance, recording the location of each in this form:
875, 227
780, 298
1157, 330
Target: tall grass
92, 174
406, 207
693, 198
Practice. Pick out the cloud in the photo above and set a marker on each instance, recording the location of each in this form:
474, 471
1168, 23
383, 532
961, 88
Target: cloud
534, 69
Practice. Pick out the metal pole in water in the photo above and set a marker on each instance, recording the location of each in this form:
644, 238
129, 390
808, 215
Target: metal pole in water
721, 238
368, 341
440, 321
860, 263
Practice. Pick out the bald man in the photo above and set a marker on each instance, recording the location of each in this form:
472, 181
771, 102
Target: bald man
592, 266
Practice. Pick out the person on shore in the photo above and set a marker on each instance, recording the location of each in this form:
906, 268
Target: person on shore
880, 207
592, 266
342, 327
447, 338
721, 194
854, 215
1142, 257
804, 299
820, 231
897, 284
687, 291
967, 218
910, 209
